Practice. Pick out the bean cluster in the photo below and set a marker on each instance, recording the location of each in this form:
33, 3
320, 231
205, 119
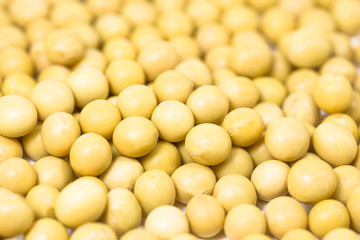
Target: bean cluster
179, 119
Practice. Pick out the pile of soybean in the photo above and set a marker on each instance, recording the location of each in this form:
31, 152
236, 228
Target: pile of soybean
179, 119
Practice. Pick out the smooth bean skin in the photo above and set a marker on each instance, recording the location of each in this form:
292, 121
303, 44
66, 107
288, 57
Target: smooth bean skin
341, 232
81, 201
90, 154
208, 104
156, 58
353, 206
233, 189
308, 47
179, 120
123, 211
59, 131
283, 214
122, 173
154, 188
47, 228
298, 234
202, 208
270, 179
96, 230
168, 115
135, 129
311, 180
17, 175
101, 117
136, 100
139, 233
33, 145
52, 96
328, 215
165, 156
64, 47
18, 116
10, 147
53, 171
244, 125
16, 215
327, 87
238, 162
166, 222
192, 179
287, 139
208, 144
243, 220
42, 199
334, 143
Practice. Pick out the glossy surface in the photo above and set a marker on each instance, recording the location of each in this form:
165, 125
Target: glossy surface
18, 116
33, 145
241, 91
42, 200
53, 171
165, 156
88, 84
308, 47
197, 71
16, 215
99, 231
156, 58
172, 85
135, 136
82, 201
334, 143
136, 100
18, 84
233, 189
99, 116
59, 131
328, 215
192, 179
52, 96
251, 58
238, 162
341, 233
208, 104
284, 214
269, 112
122, 173
195, 107
9, 148
47, 228
243, 220
139, 233
90, 154
154, 188
166, 222
301, 105
64, 47
353, 206
124, 73
173, 119
287, 139
206, 216
298, 234
244, 125
17, 175
327, 87
311, 180
123, 211
270, 179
